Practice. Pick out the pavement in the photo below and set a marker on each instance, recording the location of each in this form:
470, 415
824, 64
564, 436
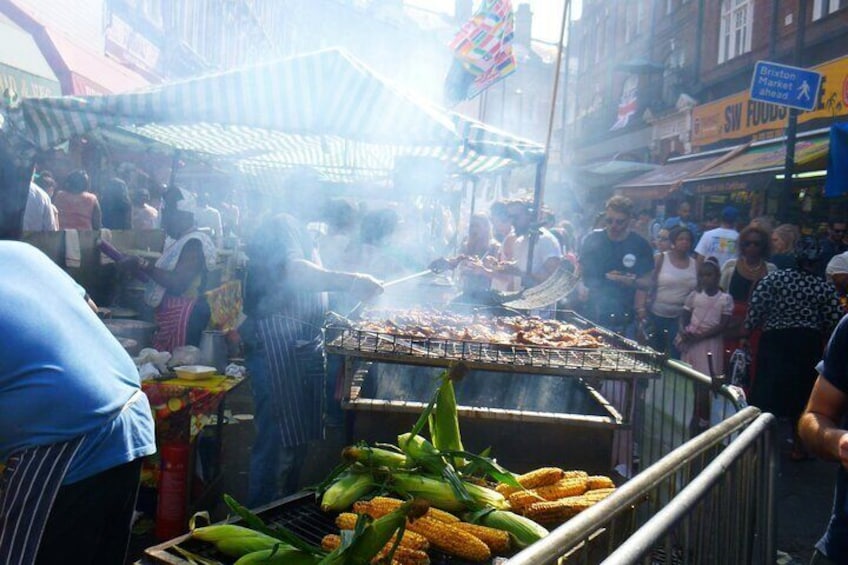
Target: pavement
804, 490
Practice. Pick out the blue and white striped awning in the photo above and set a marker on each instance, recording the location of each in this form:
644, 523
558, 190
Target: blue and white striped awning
325, 110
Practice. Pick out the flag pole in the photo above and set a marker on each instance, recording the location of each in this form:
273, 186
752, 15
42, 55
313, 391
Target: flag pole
541, 169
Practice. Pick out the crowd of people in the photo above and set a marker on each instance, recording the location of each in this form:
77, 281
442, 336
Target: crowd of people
695, 292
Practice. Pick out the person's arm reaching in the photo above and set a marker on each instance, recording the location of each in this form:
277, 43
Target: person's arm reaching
818, 427
306, 275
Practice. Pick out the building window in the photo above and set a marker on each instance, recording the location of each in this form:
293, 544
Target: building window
669, 6
822, 8
737, 18
629, 22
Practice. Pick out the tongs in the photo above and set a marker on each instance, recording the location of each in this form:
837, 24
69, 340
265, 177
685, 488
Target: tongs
390, 284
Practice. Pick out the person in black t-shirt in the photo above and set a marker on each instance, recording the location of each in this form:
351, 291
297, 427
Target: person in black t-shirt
615, 263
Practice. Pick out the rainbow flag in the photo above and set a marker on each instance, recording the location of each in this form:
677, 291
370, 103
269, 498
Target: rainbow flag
482, 51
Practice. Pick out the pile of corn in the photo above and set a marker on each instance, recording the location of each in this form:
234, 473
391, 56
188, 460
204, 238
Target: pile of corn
437, 529
551, 496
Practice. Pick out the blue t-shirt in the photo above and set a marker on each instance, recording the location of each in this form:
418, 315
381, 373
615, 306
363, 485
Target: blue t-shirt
62, 373
834, 368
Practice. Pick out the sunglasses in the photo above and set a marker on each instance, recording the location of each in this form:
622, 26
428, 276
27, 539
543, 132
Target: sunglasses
838, 231
617, 221
752, 242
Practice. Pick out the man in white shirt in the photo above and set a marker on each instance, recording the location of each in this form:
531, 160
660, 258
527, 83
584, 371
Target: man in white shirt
209, 218
721, 241
547, 253
39, 214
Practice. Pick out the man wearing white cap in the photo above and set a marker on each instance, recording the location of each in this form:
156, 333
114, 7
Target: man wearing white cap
837, 272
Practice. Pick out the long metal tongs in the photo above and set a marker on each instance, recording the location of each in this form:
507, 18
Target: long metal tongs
390, 284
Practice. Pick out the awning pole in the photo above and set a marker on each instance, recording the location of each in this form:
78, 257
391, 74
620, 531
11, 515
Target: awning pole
541, 168
175, 162
792, 126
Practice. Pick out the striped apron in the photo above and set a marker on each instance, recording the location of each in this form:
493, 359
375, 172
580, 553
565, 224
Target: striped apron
28, 488
294, 357
172, 318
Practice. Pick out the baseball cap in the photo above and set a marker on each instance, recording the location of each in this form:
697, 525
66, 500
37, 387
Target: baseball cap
838, 265
729, 214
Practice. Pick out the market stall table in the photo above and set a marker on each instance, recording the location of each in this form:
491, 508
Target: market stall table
182, 408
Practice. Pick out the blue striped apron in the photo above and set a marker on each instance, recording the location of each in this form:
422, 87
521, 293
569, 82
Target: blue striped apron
294, 357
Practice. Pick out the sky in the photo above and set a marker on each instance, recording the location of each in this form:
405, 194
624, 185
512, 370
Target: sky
547, 14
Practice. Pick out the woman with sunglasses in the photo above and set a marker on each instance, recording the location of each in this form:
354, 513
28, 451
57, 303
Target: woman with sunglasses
738, 278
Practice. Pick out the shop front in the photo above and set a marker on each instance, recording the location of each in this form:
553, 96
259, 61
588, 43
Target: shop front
753, 182
23, 69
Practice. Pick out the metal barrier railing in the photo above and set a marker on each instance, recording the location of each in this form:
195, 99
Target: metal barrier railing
595, 534
725, 515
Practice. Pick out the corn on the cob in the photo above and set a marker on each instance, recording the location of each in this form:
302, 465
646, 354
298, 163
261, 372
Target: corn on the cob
522, 531
536, 478
236, 541
574, 474
450, 539
347, 488
444, 422
402, 556
556, 511
562, 488
440, 494
598, 494
374, 457
497, 540
596, 482
382, 505
347, 521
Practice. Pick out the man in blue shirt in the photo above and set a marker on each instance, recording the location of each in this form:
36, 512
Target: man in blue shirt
74, 423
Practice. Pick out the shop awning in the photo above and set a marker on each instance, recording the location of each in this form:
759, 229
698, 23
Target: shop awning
657, 183
86, 73
768, 158
325, 110
22, 66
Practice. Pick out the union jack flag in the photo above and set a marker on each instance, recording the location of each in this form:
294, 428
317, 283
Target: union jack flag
482, 51
627, 107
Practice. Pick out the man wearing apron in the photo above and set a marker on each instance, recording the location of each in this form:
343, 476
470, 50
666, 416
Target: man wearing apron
74, 423
285, 303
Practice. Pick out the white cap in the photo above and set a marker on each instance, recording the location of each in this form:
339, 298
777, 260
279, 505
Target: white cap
838, 265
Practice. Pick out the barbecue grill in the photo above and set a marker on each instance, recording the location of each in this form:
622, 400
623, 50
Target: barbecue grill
299, 513
533, 404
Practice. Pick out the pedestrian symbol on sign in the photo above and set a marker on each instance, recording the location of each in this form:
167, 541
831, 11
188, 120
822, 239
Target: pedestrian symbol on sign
804, 91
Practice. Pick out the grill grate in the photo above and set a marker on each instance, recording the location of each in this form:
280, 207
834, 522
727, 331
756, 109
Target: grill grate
299, 513
619, 358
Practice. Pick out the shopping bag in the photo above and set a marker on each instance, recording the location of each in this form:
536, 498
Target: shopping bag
739, 367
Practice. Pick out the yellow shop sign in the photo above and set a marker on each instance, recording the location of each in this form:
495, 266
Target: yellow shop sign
737, 117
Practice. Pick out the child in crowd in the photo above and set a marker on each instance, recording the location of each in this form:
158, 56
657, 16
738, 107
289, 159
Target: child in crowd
706, 313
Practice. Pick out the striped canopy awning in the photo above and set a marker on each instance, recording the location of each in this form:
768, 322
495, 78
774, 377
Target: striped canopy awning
326, 111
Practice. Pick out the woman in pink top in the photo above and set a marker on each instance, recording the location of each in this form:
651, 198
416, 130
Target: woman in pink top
78, 207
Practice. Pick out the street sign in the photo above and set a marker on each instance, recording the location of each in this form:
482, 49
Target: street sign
786, 86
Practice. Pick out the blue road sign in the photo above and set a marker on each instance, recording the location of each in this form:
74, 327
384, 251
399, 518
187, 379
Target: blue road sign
785, 85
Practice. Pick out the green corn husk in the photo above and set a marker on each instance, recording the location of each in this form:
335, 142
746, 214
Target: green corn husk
375, 457
347, 489
444, 421
440, 493
288, 556
236, 541
522, 531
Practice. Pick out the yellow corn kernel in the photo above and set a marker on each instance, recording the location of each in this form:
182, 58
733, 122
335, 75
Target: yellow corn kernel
596, 482
536, 478
557, 511
598, 495
347, 521
575, 474
402, 556
562, 488
497, 540
450, 539
382, 505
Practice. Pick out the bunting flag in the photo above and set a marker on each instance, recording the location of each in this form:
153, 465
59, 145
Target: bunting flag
836, 182
482, 51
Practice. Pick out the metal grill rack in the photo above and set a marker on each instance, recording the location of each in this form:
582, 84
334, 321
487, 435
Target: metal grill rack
619, 358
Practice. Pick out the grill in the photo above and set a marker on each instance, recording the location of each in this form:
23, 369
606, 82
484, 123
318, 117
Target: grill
619, 358
299, 513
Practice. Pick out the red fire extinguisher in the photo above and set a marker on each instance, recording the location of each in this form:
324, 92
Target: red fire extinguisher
171, 519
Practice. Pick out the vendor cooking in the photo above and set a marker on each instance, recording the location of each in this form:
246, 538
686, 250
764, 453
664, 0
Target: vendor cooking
178, 278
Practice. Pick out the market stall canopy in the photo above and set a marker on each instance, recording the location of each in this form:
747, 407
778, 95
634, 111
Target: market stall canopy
326, 111
768, 158
656, 184
22, 66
